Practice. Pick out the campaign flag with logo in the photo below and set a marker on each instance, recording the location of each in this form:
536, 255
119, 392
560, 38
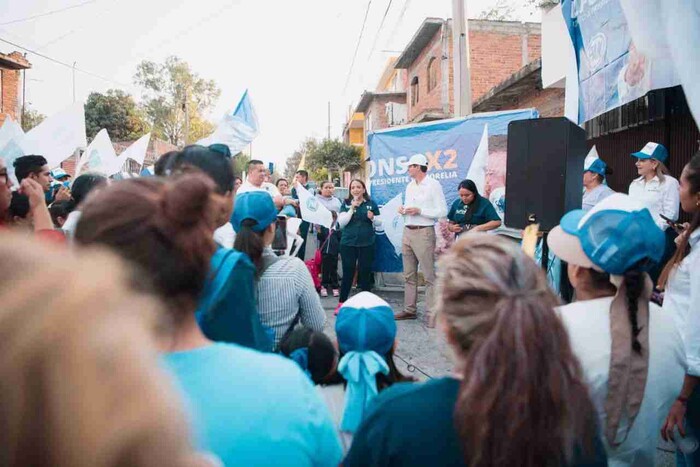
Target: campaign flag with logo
474, 146
612, 69
312, 211
57, 137
237, 129
137, 151
392, 222
99, 156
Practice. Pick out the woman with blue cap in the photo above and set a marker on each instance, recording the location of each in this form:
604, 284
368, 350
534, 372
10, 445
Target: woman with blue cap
658, 192
595, 189
286, 294
631, 353
517, 396
366, 334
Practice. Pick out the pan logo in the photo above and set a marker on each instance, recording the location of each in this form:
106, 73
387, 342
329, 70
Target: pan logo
94, 160
312, 204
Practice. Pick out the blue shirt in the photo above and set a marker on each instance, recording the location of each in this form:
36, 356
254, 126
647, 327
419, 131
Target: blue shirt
250, 408
412, 424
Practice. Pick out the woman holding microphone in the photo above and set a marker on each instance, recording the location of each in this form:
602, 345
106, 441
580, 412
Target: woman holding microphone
356, 219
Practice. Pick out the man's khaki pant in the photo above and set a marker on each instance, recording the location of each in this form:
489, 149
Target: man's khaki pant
418, 247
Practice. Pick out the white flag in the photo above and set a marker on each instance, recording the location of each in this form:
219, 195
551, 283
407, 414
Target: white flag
312, 211
477, 169
57, 137
237, 129
592, 156
99, 156
137, 151
12, 139
392, 222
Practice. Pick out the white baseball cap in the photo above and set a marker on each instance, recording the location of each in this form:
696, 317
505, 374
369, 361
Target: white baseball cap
418, 159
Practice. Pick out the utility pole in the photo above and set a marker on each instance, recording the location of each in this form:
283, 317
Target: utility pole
186, 108
74, 81
460, 53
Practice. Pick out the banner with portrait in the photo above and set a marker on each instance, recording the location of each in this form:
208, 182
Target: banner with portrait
612, 71
472, 147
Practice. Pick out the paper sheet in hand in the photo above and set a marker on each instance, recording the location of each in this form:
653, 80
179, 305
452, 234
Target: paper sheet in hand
392, 222
57, 137
99, 156
312, 211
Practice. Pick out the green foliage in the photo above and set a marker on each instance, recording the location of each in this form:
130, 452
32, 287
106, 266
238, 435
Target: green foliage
117, 112
31, 118
240, 163
169, 89
333, 155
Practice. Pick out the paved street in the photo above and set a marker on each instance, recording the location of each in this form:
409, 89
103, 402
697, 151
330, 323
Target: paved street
423, 352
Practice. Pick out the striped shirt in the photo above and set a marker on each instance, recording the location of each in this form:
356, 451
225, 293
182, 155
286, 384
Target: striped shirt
286, 294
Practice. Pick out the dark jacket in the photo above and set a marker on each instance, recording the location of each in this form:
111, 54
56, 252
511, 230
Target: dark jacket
332, 246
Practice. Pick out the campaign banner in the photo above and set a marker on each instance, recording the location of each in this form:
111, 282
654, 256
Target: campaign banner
452, 147
612, 70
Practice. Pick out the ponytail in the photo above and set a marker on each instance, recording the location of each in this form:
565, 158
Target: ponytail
523, 399
251, 243
634, 284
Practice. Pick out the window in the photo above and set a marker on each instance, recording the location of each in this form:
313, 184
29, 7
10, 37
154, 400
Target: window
414, 91
432, 74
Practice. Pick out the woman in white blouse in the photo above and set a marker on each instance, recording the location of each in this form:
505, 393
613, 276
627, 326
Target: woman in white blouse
682, 301
658, 191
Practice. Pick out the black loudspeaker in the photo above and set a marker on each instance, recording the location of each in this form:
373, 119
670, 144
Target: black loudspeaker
544, 171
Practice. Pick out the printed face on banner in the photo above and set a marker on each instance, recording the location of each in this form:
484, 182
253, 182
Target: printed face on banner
450, 147
612, 72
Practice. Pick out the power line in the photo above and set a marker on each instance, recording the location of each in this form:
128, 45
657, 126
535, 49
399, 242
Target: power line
73, 31
357, 47
46, 57
376, 37
398, 22
48, 13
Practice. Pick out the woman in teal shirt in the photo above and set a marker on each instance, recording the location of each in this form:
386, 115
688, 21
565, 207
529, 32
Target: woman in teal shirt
471, 212
356, 219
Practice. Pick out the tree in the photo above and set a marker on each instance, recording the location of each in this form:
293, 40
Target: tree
31, 118
505, 10
170, 90
240, 164
117, 112
333, 155
292, 165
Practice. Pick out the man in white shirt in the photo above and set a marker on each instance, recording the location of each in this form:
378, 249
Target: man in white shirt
424, 204
255, 181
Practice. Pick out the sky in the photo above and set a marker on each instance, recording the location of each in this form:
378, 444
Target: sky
294, 57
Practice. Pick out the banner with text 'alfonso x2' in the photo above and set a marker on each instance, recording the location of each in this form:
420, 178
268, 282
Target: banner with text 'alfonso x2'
453, 147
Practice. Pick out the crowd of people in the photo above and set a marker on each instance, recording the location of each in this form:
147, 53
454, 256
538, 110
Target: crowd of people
151, 321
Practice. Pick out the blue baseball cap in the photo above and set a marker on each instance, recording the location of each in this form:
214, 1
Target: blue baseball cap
364, 323
652, 151
597, 167
615, 236
256, 205
59, 173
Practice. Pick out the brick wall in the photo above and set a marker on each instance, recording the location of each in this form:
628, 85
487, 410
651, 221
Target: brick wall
377, 110
496, 50
548, 102
10, 95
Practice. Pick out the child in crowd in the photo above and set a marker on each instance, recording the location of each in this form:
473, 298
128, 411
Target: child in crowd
329, 243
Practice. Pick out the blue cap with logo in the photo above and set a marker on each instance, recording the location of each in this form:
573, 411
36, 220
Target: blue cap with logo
618, 234
652, 151
256, 205
597, 167
366, 331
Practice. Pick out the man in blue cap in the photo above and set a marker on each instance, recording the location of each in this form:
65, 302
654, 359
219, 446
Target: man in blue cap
595, 189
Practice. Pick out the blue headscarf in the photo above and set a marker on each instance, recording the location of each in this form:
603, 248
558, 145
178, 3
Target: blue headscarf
366, 331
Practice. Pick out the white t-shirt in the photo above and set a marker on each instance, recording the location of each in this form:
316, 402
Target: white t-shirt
682, 302
334, 397
595, 196
588, 325
267, 187
659, 198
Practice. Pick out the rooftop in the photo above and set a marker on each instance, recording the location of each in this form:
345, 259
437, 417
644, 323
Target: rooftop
520, 82
14, 61
369, 96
